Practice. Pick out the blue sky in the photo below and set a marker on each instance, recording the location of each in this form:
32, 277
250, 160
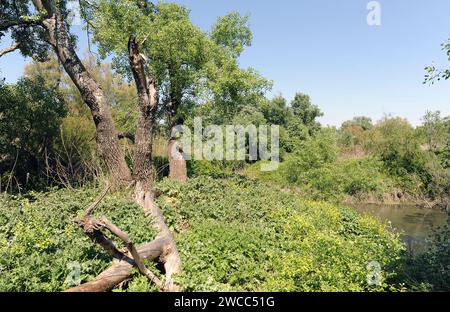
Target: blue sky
326, 49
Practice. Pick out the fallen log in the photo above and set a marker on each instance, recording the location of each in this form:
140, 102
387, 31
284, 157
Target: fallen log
163, 249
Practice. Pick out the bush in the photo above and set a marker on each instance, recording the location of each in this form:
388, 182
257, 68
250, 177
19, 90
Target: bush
429, 271
30, 115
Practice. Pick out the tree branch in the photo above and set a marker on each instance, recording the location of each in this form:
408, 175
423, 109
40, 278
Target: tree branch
10, 49
132, 249
91, 208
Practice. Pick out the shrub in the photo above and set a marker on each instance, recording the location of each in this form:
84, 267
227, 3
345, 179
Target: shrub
30, 115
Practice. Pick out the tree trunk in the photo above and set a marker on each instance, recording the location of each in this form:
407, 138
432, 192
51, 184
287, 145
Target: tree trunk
148, 104
93, 96
164, 246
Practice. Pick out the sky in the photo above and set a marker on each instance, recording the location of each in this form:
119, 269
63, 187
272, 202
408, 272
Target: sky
326, 49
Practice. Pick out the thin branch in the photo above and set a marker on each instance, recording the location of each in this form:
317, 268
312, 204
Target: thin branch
91, 208
130, 246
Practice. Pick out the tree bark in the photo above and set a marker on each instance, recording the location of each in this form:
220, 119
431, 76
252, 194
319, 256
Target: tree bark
93, 95
148, 105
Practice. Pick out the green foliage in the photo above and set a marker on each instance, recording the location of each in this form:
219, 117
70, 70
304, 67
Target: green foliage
435, 131
316, 171
353, 133
257, 238
398, 145
232, 32
204, 167
312, 154
434, 73
30, 115
38, 237
306, 111
31, 38
429, 271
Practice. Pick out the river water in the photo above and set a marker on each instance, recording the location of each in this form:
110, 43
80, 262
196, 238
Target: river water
413, 223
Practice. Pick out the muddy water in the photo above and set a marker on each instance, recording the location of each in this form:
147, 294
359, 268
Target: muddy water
413, 223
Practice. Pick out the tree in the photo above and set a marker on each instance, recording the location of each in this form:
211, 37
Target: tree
30, 115
435, 131
39, 26
353, 132
49, 28
306, 111
233, 32
74, 152
276, 111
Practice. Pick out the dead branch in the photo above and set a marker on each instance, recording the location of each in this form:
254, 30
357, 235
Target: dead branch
120, 271
91, 208
132, 249
92, 229
10, 49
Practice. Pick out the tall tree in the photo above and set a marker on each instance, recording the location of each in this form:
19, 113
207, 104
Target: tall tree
306, 111
38, 26
123, 29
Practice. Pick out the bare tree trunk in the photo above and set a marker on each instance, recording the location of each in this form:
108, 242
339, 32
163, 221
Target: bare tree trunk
148, 104
164, 246
93, 95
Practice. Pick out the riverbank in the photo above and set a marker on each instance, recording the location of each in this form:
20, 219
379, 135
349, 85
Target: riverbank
415, 224
398, 199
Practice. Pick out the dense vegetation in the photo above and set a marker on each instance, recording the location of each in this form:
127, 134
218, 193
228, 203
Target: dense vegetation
256, 239
235, 227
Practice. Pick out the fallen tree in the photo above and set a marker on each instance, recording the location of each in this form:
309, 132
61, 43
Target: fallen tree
162, 248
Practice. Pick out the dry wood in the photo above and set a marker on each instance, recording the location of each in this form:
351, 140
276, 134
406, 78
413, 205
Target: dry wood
162, 248
10, 49
132, 249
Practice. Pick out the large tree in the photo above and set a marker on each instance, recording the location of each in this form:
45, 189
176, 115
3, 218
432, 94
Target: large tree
39, 26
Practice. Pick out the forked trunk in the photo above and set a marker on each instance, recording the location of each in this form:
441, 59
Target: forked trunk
164, 246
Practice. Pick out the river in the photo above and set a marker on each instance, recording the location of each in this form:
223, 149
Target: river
413, 223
